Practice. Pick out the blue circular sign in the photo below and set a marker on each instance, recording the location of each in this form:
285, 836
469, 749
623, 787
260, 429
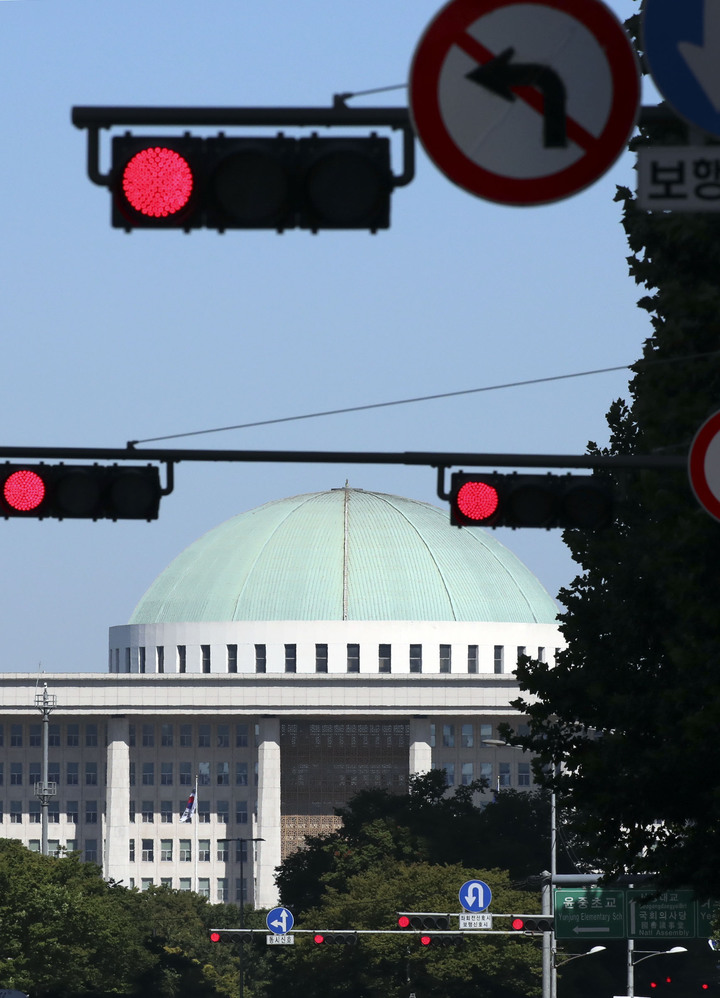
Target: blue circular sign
280, 920
475, 895
682, 46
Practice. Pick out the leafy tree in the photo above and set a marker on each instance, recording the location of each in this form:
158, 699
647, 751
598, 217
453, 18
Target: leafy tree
631, 709
62, 928
509, 830
394, 964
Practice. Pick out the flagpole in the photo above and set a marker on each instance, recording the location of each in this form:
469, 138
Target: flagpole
196, 816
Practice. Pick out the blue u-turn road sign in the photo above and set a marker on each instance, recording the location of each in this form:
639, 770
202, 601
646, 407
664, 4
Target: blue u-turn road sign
475, 895
681, 39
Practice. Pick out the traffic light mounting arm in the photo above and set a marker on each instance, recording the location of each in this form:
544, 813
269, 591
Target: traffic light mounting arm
95, 118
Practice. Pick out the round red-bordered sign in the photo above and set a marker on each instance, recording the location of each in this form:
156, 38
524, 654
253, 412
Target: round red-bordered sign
491, 135
704, 465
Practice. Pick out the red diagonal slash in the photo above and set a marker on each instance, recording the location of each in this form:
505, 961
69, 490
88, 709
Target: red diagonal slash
532, 97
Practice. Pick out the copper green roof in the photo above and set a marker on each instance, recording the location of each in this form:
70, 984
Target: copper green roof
345, 554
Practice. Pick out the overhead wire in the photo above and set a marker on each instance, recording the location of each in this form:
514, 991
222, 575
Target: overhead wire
423, 398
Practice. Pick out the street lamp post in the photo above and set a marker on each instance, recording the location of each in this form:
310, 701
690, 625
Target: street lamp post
242, 902
633, 960
561, 963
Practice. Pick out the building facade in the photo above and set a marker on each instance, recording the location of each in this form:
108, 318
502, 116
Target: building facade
299, 652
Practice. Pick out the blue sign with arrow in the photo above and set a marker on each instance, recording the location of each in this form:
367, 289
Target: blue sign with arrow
475, 895
280, 920
682, 47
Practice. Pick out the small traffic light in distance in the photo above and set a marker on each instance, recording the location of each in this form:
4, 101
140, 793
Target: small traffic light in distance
423, 920
231, 935
156, 182
532, 923
453, 939
518, 500
335, 938
93, 492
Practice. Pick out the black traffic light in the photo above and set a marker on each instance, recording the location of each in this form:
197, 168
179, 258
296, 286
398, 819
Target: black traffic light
532, 923
451, 939
226, 182
93, 492
516, 500
231, 935
335, 938
423, 920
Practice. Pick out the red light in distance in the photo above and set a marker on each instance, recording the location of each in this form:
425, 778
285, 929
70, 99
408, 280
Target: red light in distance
477, 500
157, 182
215, 937
518, 924
24, 490
425, 940
318, 938
403, 922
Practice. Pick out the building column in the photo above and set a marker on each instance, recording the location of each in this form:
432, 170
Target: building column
420, 755
116, 860
269, 852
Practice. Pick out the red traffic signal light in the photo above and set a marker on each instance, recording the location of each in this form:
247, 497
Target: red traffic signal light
423, 920
532, 923
231, 935
229, 182
441, 940
335, 938
514, 500
93, 492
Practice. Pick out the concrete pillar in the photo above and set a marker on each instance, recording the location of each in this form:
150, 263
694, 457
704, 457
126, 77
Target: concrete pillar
420, 755
268, 819
116, 863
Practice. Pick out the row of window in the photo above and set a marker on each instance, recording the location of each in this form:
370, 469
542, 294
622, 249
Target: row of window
169, 811
89, 853
165, 735
468, 771
182, 850
383, 662
165, 773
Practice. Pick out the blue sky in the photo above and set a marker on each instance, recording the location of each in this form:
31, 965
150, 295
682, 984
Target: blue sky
112, 337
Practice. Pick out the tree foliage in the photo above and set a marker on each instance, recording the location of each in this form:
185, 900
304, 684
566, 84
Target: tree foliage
508, 830
631, 709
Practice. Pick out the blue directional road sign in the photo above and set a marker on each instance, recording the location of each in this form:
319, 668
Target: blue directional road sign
681, 39
475, 895
280, 920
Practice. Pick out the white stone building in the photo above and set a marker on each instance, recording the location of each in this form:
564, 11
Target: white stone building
293, 655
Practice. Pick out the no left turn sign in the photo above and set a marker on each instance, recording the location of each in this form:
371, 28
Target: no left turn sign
704, 465
524, 102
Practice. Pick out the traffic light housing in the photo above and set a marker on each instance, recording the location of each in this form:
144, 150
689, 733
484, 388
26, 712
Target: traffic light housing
231, 935
443, 941
93, 492
423, 920
518, 500
335, 938
532, 923
224, 182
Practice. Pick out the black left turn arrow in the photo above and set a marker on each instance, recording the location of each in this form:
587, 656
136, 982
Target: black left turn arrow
500, 74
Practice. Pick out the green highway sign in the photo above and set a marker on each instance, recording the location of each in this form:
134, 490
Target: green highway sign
590, 913
670, 915
635, 913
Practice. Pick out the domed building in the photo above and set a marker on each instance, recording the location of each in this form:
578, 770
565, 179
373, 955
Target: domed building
295, 654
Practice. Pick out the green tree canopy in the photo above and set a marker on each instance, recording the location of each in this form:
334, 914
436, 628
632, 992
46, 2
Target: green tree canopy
509, 830
631, 709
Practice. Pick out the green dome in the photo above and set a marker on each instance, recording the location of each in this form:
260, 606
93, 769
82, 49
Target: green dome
345, 555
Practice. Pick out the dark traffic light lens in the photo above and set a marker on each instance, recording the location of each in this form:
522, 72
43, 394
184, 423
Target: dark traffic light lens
24, 490
252, 188
344, 188
157, 182
477, 500
531, 505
